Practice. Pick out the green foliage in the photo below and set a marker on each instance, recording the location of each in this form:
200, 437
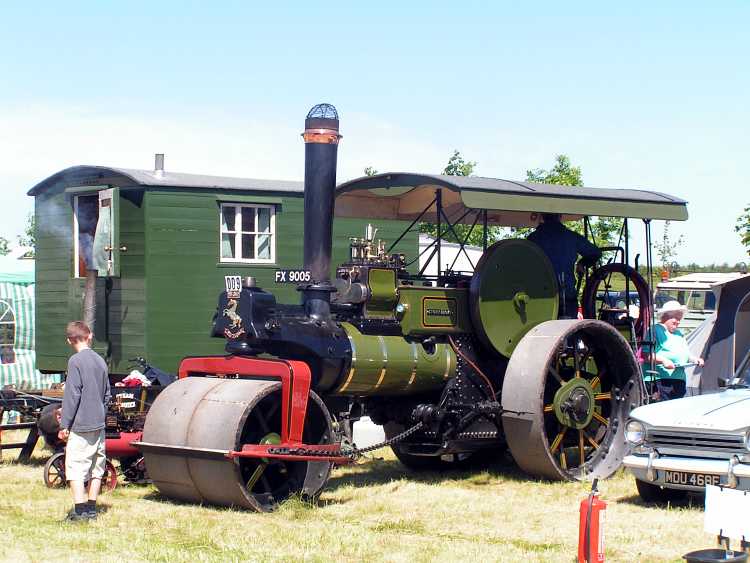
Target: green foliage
666, 248
562, 173
370, 171
743, 228
28, 238
4, 246
457, 166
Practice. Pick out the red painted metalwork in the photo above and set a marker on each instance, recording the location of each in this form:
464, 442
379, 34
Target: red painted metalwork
295, 379
120, 447
261, 451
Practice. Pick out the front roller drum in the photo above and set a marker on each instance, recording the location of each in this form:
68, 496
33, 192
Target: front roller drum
567, 392
196, 421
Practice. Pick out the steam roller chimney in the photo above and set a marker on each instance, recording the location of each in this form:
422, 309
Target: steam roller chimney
321, 147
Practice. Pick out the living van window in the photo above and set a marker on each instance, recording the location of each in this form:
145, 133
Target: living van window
86, 216
247, 233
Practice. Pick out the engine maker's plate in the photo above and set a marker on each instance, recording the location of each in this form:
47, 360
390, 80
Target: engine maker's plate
513, 289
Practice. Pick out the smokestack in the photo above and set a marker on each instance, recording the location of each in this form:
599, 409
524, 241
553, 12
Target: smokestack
159, 165
321, 147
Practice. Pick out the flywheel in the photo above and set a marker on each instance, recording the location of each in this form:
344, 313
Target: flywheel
512, 290
566, 395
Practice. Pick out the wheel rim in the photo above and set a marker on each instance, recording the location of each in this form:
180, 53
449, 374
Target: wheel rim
566, 394
578, 406
268, 480
54, 472
109, 480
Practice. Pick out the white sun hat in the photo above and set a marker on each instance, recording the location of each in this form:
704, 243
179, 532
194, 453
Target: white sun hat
672, 306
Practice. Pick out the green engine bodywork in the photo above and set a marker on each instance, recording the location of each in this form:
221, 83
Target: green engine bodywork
393, 365
433, 310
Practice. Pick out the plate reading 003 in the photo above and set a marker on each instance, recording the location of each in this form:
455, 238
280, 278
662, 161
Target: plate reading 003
292, 276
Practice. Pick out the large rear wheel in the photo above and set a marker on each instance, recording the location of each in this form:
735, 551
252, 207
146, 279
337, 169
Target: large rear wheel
566, 395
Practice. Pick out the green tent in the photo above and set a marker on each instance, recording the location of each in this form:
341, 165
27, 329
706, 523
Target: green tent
17, 355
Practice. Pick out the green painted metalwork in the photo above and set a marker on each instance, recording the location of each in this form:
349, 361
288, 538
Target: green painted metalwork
574, 205
170, 275
385, 365
513, 290
433, 310
383, 296
574, 403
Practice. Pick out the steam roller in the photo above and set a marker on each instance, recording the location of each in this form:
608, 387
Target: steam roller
205, 419
457, 367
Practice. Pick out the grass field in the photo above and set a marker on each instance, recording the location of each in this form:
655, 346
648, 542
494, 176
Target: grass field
373, 511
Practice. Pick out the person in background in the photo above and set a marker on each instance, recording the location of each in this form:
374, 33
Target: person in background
82, 421
562, 246
671, 353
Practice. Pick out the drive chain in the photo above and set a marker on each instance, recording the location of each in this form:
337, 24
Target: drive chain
354, 453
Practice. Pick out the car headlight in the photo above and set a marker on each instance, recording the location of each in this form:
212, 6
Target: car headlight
747, 440
635, 432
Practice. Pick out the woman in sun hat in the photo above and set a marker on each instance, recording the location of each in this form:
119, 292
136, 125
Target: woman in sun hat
671, 353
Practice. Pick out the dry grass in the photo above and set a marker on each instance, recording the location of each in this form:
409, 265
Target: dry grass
375, 511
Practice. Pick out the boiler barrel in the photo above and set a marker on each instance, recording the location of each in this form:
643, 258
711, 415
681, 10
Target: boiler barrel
392, 365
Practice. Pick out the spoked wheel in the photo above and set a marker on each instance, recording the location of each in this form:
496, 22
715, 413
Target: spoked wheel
54, 471
598, 293
195, 421
54, 474
109, 480
566, 395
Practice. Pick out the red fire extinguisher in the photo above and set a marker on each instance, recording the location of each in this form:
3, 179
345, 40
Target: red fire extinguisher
591, 527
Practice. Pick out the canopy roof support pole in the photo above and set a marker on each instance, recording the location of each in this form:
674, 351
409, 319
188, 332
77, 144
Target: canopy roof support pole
484, 229
439, 213
409, 228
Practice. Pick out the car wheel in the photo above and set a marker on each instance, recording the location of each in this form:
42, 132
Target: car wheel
656, 493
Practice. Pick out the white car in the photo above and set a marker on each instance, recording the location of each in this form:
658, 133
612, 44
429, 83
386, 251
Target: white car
685, 444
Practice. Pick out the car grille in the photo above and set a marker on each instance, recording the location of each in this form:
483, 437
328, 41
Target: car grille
698, 441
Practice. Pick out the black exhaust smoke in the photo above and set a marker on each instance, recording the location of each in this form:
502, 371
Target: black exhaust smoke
321, 148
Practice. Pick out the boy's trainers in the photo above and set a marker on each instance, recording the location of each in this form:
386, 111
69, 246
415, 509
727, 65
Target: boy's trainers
74, 516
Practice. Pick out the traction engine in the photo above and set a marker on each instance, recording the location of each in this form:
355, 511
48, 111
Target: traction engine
456, 368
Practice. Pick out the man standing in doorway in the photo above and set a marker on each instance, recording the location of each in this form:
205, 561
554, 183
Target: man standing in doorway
562, 246
82, 423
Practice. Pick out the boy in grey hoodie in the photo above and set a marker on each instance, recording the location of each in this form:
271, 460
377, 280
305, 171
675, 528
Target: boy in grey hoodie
82, 423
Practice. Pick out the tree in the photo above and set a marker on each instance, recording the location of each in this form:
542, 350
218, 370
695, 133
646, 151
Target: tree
457, 166
370, 171
28, 238
666, 248
743, 228
604, 230
562, 173
4, 246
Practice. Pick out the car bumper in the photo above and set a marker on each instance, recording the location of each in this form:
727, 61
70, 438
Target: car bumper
652, 468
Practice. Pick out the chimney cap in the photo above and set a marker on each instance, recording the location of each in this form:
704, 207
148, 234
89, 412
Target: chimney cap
322, 116
159, 164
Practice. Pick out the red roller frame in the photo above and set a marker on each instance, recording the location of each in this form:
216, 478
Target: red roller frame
295, 380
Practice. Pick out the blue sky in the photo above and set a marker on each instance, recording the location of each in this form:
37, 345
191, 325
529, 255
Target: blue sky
643, 94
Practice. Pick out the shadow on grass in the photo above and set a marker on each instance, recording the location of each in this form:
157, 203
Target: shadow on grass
33, 462
380, 472
691, 500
